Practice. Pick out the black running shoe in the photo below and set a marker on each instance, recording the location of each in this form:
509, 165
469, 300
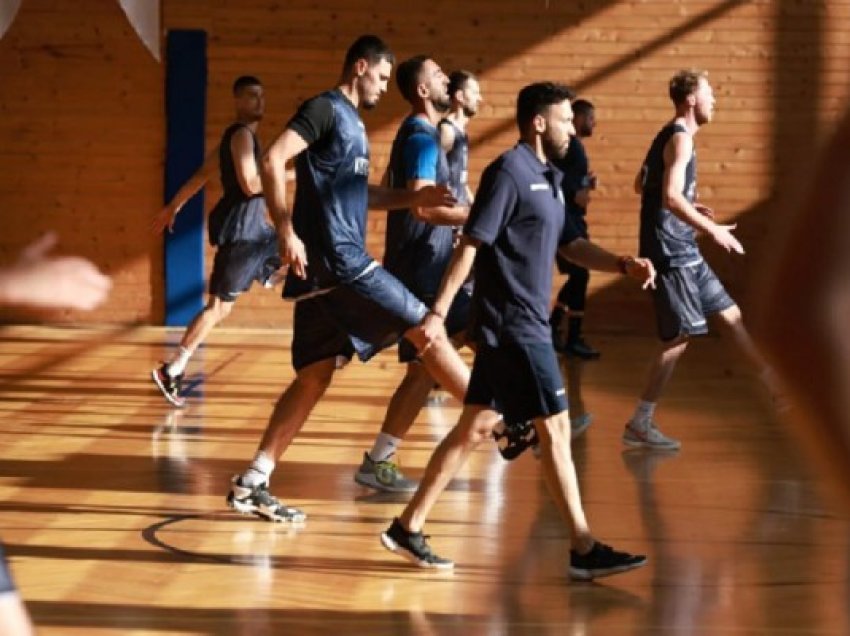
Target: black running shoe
514, 439
169, 386
580, 349
413, 546
602, 560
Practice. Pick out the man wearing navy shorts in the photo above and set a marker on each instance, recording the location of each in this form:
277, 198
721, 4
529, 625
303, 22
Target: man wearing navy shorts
346, 302
515, 227
419, 245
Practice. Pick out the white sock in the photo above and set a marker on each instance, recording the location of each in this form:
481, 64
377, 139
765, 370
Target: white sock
385, 447
643, 413
259, 471
178, 362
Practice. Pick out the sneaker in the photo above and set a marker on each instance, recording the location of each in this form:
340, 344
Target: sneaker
259, 501
602, 560
169, 386
580, 349
413, 546
514, 439
383, 475
648, 436
579, 424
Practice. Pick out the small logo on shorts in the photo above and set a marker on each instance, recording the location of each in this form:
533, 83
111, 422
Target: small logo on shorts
561, 392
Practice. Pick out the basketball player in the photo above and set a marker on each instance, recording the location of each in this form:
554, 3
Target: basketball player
579, 181
346, 302
247, 248
418, 249
687, 290
465, 94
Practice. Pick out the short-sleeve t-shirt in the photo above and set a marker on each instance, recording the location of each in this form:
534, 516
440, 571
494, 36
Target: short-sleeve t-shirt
332, 193
520, 220
417, 253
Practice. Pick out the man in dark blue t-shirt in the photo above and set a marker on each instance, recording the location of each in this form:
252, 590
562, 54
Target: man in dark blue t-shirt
514, 229
418, 249
568, 315
346, 302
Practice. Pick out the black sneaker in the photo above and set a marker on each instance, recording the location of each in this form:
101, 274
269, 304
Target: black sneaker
580, 349
514, 439
169, 386
602, 560
413, 546
259, 501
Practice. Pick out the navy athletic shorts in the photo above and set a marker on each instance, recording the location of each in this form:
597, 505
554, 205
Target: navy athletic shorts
521, 381
362, 317
684, 296
239, 264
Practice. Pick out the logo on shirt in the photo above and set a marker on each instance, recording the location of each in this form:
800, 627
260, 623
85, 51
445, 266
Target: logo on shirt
535, 187
361, 166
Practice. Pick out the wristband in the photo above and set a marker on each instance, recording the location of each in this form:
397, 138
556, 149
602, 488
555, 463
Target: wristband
623, 263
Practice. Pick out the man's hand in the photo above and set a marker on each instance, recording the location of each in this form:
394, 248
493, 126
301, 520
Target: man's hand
435, 196
582, 198
722, 235
40, 280
642, 270
165, 219
431, 329
293, 253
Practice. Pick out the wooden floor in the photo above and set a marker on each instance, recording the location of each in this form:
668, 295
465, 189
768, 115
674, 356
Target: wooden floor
114, 520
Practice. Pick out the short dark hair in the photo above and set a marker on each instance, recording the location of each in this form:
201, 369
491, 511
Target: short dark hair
407, 76
582, 107
535, 98
244, 81
458, 80
370, 48
684, 83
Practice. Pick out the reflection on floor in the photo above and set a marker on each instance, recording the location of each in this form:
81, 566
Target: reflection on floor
114, 520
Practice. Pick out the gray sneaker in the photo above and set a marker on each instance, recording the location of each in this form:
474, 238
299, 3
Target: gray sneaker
648, 436
383, 476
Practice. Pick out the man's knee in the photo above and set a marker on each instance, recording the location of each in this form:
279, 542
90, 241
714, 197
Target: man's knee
317, 376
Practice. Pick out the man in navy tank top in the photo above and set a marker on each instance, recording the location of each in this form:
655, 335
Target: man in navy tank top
419, 243
515, 227
346, 303
465, 94
688, 291
247, 247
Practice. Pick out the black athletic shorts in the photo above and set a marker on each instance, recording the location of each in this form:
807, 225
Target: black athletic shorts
521, 381
239, 264
362, 317
684, 296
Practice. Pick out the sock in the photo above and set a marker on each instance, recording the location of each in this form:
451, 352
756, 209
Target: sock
178, 362
643, 413
385, 447
259, 471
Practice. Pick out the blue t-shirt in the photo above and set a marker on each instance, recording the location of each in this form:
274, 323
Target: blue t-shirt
332, 193
519, 217
416, 252
665, 239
